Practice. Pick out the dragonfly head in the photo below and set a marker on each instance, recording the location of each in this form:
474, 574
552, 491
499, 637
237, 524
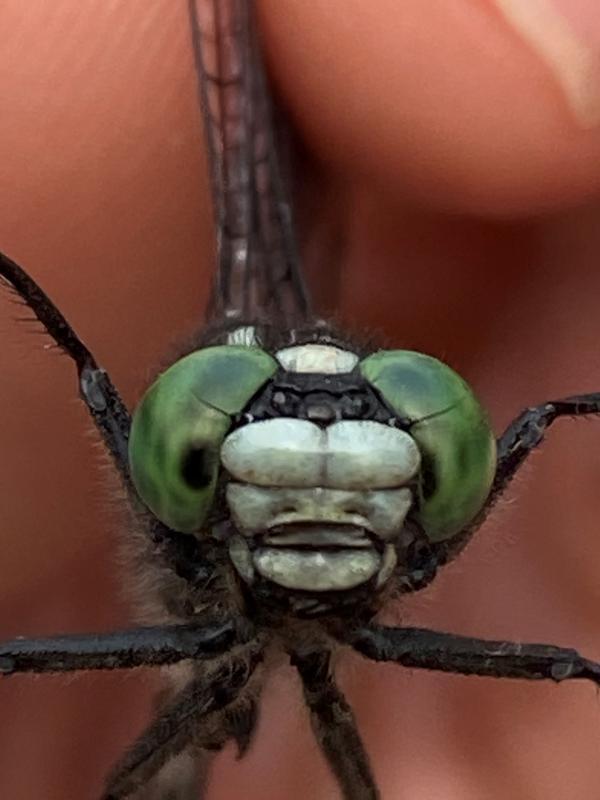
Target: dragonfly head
317, 462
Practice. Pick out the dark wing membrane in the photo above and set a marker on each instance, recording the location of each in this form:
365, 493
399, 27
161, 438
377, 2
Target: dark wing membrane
258, 273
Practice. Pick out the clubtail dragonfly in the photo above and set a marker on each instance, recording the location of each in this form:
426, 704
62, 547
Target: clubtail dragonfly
287, 482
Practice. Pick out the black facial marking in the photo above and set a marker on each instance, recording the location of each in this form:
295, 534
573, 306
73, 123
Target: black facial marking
428, 476
319, 409
196, 468
320, 398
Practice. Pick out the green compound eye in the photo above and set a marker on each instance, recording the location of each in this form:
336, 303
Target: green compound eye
457, 445
179, 426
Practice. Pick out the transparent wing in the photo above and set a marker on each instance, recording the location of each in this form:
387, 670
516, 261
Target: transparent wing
258, 273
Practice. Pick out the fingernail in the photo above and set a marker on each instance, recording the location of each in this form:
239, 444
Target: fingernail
566, 35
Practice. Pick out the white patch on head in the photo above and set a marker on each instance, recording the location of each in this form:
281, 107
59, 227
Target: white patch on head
316, 540
317, 571
245, 336
350, 454
285, 453
323, 358
318, 509
258, 509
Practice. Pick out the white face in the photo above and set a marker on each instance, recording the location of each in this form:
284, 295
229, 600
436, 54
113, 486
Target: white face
315, 501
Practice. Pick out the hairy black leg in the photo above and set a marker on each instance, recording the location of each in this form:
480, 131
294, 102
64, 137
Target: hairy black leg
95, 387
181, 778
185, 775
189, 719
447, 652
335, 728
150, 646
104, 404
526, 432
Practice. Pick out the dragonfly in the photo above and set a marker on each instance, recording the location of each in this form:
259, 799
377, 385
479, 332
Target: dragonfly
288, 483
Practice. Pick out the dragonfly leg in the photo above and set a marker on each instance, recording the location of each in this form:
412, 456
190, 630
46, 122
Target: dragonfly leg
183, 777
527, 431
421, 648
335, 728
198, 717
139, 647
186, 775
95, 387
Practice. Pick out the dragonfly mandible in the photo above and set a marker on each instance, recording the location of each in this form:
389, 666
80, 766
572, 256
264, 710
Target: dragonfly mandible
289, 482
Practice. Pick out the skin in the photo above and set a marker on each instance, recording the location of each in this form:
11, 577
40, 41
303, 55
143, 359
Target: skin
457, 190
